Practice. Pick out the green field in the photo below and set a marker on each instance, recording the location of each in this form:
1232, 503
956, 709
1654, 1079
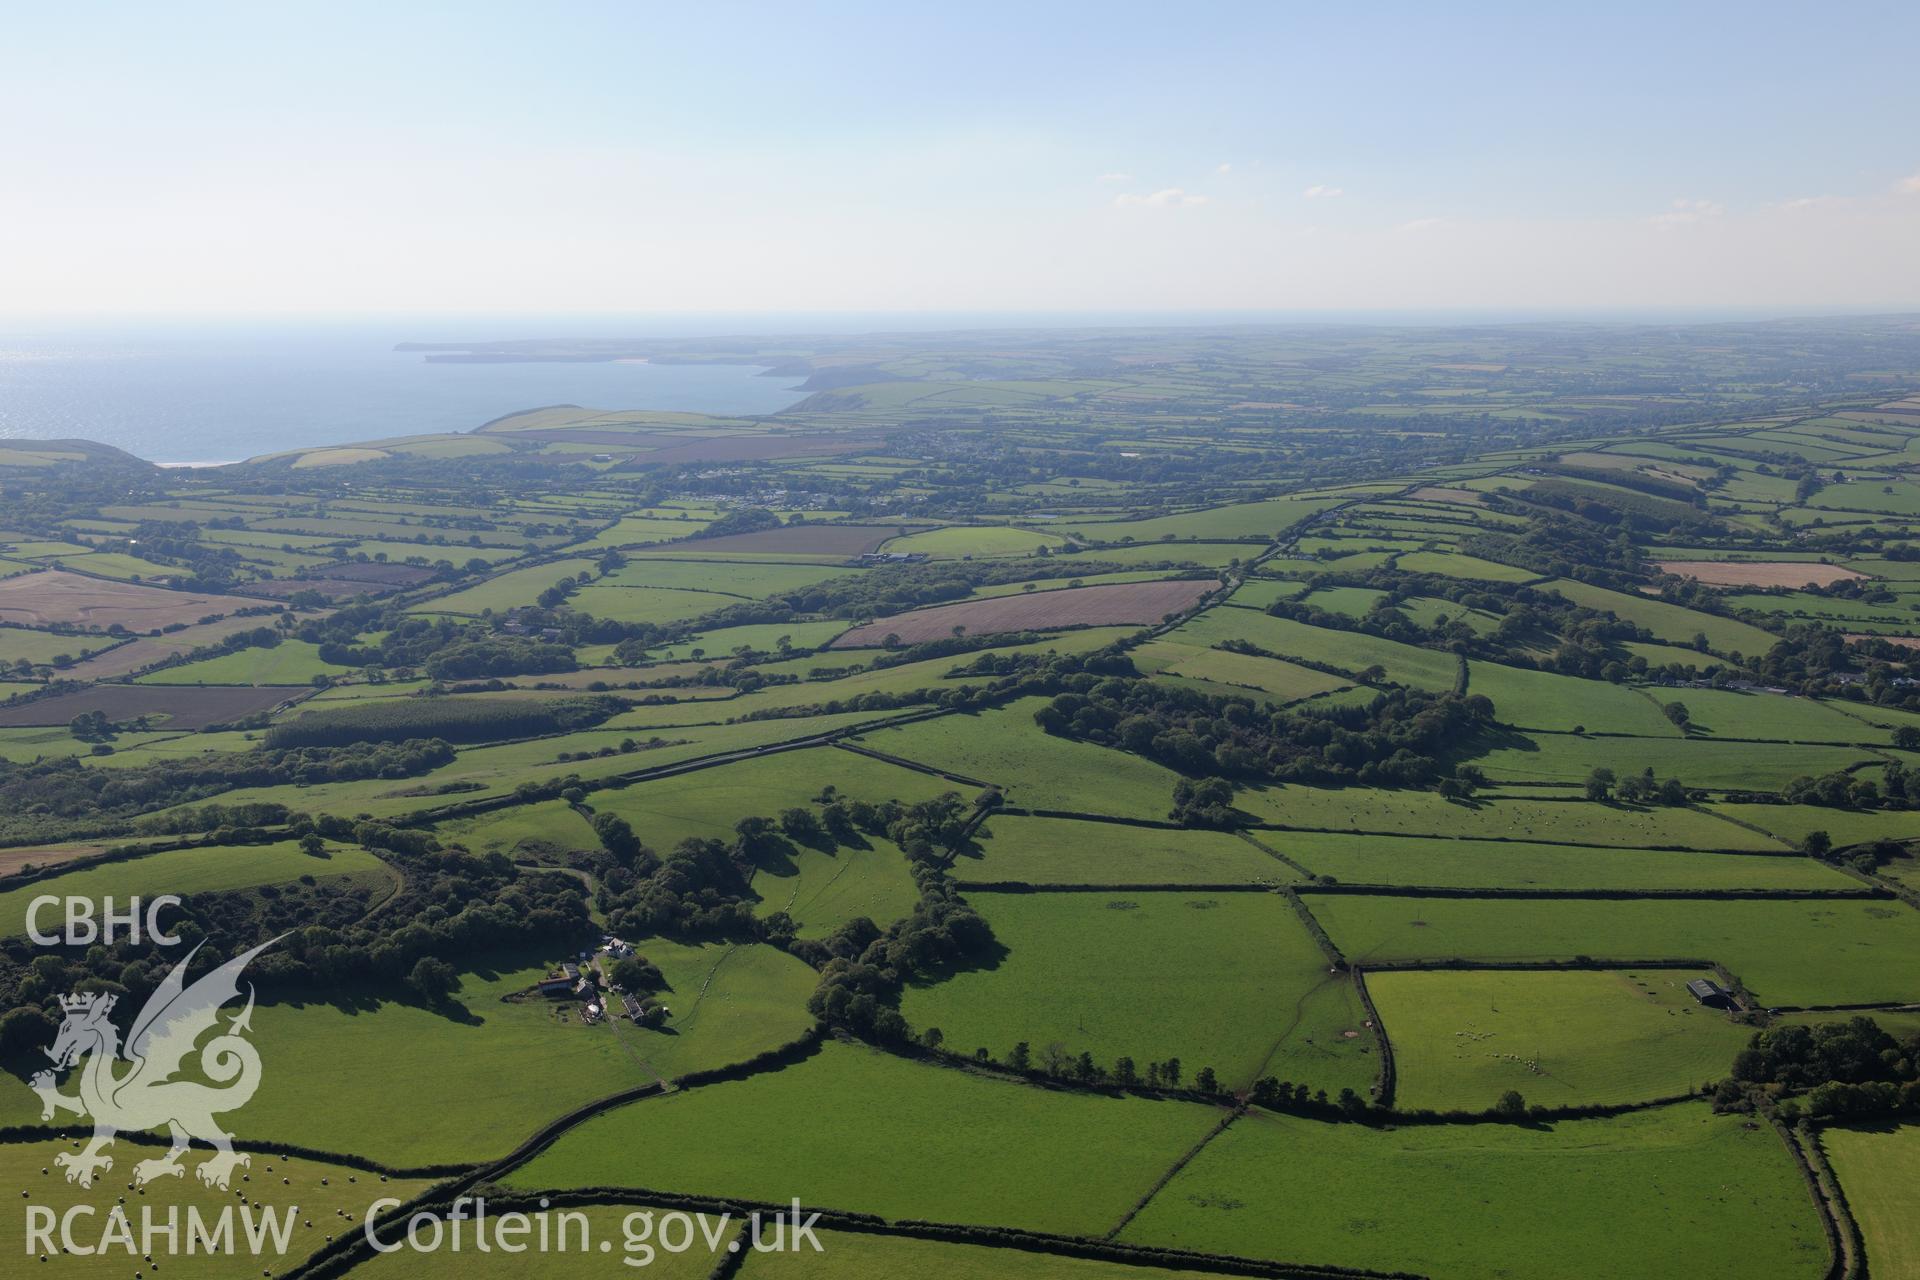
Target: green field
1786, 952
289, 662
1548, 757
1264, 520
1655, 1194
846, 1256
1452, 564
1067, 851
1669, 622
498, 1067
1358, 809
510, 590
523, 830
706, 804
1461, 1039
866, 1131
1232, 981
1238, 674
1542, 700
319, 1193
1878, 1168
1006, 748
1345, 650
1518, 864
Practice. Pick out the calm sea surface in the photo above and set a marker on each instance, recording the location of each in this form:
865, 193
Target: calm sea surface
218, 394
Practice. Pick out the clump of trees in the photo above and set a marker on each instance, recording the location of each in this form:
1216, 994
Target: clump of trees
48, 799
1851, 1068
1396, 740
476, 719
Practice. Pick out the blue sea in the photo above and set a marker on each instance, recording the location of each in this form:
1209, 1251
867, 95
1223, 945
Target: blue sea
198, 393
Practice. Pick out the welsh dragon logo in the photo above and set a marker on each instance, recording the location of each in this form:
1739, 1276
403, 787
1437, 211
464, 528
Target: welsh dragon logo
147, 1095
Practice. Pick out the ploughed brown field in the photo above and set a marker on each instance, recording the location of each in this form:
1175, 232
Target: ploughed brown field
1905, 642
54, 595
1433, 493
14, 861
1122, 602
165, 706
1758, 573
798, 540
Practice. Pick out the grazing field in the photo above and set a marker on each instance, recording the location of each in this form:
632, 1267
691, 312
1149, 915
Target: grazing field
846, 1256
523, 831
831, 541
1351, 651
1262, 520
1879, 1170
1066, 851
505, 1062
1006, 748
1232, 981
1669, 622
1460, 1040
1569, 758
1841, 951
1142, 602
867, 1131
319, 1191
1543, 700
1451, 564
705, 805
761, 637
1652, 1195
659, 605
510, 590
1516, 864
1239, 672
56, 596
822, 888
1569, 821
40, 648
291, 662
1758, 573
174, 707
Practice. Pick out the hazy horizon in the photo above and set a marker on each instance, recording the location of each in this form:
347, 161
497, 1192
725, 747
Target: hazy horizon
221, 159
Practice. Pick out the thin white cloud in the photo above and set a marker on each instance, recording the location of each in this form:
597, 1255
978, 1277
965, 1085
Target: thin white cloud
1165, 198
1224, 168
1684, 212
1909, 185
1321, 191
1115, 177
1420, 224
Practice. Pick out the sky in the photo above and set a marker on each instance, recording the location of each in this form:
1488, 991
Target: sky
505, 158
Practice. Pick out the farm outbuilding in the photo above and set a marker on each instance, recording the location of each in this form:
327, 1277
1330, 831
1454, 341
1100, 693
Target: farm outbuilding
1708, 992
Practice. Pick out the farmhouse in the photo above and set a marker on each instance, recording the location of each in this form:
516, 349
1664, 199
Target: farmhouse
556, 986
